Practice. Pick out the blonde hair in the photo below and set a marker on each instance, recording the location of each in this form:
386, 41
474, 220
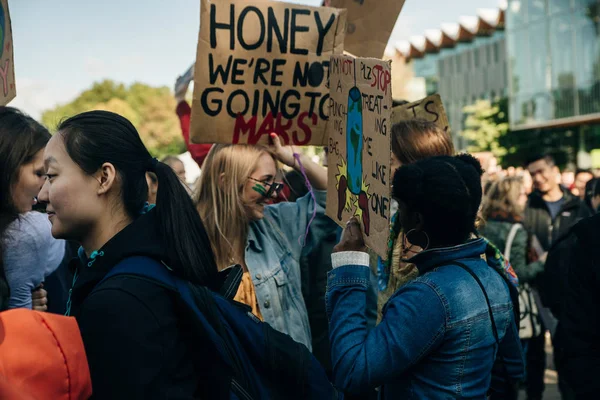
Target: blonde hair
219, 200
503, 197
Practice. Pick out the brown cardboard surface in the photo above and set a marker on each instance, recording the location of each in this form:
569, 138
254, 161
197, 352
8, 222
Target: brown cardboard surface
262, 67
8, 89
430, 108
370, 24
360, 146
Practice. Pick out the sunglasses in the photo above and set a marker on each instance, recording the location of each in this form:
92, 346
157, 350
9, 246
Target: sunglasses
275, 187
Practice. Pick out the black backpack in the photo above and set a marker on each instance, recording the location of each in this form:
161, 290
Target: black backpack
247, 359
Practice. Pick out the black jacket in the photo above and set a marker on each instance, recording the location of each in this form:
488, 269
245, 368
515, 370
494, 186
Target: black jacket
580, 324
136, 343
539, 222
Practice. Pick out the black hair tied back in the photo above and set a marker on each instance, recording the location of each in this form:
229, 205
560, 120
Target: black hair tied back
97, 137
151, 165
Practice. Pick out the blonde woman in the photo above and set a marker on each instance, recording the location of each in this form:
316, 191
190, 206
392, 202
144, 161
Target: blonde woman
502, 208
236, 185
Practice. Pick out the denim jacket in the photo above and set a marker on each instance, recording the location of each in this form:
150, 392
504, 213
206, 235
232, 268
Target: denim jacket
435, 340
273, 251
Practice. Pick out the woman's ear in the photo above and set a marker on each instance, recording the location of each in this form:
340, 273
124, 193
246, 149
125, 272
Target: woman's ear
419, 221
106, 176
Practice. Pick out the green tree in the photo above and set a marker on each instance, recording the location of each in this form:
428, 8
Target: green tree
485, 124
150, 109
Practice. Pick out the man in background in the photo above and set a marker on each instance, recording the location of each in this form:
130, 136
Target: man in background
551, 212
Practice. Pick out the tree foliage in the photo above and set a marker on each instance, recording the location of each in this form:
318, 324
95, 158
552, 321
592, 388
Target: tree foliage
485, 124
150, 109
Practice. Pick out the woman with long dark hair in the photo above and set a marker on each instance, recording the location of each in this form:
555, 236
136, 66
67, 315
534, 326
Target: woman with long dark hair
96, 194
28, 252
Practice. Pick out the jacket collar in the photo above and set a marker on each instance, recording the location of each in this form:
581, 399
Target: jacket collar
536, 200
253, 239
429, 259
140, 238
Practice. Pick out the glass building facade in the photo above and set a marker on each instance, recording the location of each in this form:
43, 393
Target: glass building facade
465, 72
553, 56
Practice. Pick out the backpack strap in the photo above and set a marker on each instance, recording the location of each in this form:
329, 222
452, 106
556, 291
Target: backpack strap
198, 299
510, 239
487, 300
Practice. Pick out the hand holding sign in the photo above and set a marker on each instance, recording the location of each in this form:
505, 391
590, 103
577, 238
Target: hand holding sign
352, 238
285, 154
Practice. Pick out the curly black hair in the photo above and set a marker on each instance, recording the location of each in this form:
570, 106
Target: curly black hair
446, 191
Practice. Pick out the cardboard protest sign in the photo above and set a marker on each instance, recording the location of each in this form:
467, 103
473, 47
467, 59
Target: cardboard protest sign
369, 24
8, 90
359, 146
430, 109
262, 67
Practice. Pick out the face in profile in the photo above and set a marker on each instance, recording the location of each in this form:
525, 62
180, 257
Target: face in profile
71, 196
394, 165
257, 187
28, 183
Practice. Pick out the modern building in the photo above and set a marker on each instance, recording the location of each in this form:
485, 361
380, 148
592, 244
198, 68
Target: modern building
543, 55
463, 62
553, 51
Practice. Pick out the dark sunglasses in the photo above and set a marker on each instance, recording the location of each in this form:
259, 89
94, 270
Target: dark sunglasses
275, 187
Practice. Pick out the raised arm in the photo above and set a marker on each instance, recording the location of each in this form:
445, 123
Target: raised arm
316, 174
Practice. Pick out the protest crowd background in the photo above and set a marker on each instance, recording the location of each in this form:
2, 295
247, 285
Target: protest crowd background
313, 209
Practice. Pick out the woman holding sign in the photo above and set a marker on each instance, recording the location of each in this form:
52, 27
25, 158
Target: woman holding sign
440, 333
237, 183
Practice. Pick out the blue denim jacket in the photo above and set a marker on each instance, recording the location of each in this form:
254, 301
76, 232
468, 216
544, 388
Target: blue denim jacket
435, 340
273, 250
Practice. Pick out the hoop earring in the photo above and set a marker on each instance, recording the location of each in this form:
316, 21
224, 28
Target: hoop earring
405, 239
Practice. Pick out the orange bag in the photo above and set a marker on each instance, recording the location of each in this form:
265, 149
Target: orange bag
42, 357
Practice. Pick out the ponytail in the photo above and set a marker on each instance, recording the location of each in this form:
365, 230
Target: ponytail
181, 228
96, 137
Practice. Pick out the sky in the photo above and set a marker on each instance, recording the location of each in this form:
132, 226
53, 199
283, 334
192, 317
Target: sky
62, 47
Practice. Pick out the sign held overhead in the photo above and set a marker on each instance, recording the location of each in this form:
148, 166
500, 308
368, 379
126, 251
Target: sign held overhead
263, 67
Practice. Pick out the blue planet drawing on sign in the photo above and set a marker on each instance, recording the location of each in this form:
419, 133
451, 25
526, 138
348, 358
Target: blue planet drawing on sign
2, 27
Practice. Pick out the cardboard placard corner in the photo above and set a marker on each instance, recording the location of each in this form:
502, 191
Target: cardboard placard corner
430, 109
359, 146
369, 25
8, 87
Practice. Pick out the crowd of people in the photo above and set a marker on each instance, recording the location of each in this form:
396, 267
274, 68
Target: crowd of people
481, 266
